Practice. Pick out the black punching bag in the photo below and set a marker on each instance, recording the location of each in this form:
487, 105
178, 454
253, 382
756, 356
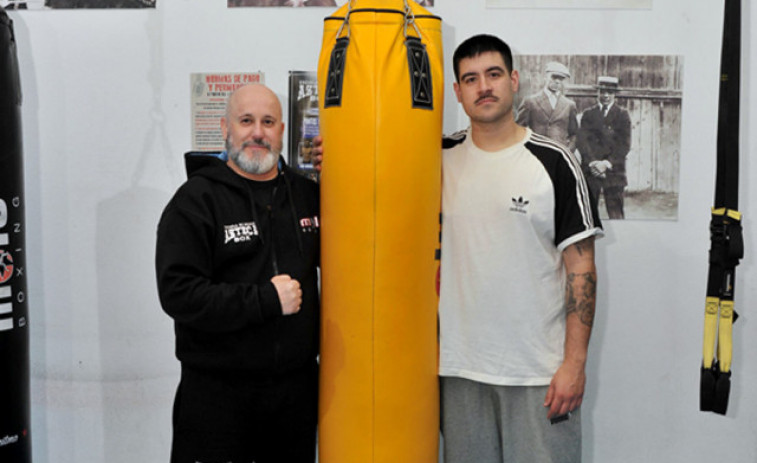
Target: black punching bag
15, 436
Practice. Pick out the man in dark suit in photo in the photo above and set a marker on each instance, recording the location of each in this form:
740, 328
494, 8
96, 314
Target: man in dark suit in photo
604, 141
549, 112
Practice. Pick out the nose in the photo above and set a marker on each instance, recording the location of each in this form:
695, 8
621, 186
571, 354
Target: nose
484, 85
257, 130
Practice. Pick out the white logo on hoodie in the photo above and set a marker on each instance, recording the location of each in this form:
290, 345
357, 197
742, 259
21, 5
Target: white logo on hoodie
240, 232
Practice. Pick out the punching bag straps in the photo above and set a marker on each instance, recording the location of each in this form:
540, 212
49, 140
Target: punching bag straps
420, 70
726, 240
335, 78
420, 74
333, 96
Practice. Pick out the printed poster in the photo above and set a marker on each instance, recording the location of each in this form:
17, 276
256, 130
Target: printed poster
303, 119
210, 92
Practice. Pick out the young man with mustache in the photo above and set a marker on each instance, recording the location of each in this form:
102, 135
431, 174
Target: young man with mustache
518, 278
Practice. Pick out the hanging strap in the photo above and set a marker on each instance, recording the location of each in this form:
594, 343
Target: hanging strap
726, 241
421, 87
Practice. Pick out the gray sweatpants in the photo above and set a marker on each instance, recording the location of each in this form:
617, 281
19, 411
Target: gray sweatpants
482, 423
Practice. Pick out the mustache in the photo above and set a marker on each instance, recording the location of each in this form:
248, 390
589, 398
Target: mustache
257, 143
485, 96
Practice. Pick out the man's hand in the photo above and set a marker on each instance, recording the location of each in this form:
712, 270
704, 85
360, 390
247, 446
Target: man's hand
290, 294
317, 153
600, 168
566, 391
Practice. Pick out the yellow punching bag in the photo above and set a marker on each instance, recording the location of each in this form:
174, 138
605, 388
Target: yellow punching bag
380, 80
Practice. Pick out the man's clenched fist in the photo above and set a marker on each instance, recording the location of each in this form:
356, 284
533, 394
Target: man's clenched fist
290, 294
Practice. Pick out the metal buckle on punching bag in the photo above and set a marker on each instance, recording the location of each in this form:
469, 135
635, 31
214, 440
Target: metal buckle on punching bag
418, 63
333, 96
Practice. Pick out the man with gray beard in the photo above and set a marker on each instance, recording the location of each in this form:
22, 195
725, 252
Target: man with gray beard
236, 258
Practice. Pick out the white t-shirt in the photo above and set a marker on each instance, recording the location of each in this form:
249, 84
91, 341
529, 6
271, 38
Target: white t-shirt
507, 217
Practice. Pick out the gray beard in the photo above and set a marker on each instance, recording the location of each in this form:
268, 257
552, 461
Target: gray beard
252, 164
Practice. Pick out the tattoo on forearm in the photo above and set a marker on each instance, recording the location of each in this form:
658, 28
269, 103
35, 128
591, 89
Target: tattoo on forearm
580, 297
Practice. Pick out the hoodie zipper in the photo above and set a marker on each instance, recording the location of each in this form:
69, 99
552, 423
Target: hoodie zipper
274, 258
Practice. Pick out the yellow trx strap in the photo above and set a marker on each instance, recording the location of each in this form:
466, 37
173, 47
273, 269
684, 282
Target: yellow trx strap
718, 312
726, 241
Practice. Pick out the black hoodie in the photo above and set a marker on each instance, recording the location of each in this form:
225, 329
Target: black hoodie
220, 241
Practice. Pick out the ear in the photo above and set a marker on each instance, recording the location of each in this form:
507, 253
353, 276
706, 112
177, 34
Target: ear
224, 128
456, 86
514, 80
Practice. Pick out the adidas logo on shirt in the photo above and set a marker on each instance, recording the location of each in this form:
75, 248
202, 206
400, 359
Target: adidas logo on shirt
519, 205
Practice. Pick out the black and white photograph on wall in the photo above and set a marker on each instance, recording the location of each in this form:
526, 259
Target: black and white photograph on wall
601, 4
69, 4
303, 120
301, 3
620, 115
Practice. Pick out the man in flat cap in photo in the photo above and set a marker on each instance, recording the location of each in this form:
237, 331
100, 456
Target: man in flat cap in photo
549, 112
604, 141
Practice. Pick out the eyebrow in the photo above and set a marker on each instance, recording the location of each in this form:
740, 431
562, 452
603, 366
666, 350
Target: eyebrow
253, 116
493, 68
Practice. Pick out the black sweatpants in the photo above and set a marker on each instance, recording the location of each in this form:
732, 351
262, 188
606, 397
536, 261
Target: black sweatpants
228, 418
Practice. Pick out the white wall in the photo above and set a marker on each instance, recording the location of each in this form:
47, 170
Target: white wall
106, 118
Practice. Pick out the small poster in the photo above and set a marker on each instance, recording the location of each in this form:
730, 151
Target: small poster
63, 4
209, 94
303, 119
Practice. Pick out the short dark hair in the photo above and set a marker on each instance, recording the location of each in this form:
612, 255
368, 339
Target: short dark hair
478, 44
